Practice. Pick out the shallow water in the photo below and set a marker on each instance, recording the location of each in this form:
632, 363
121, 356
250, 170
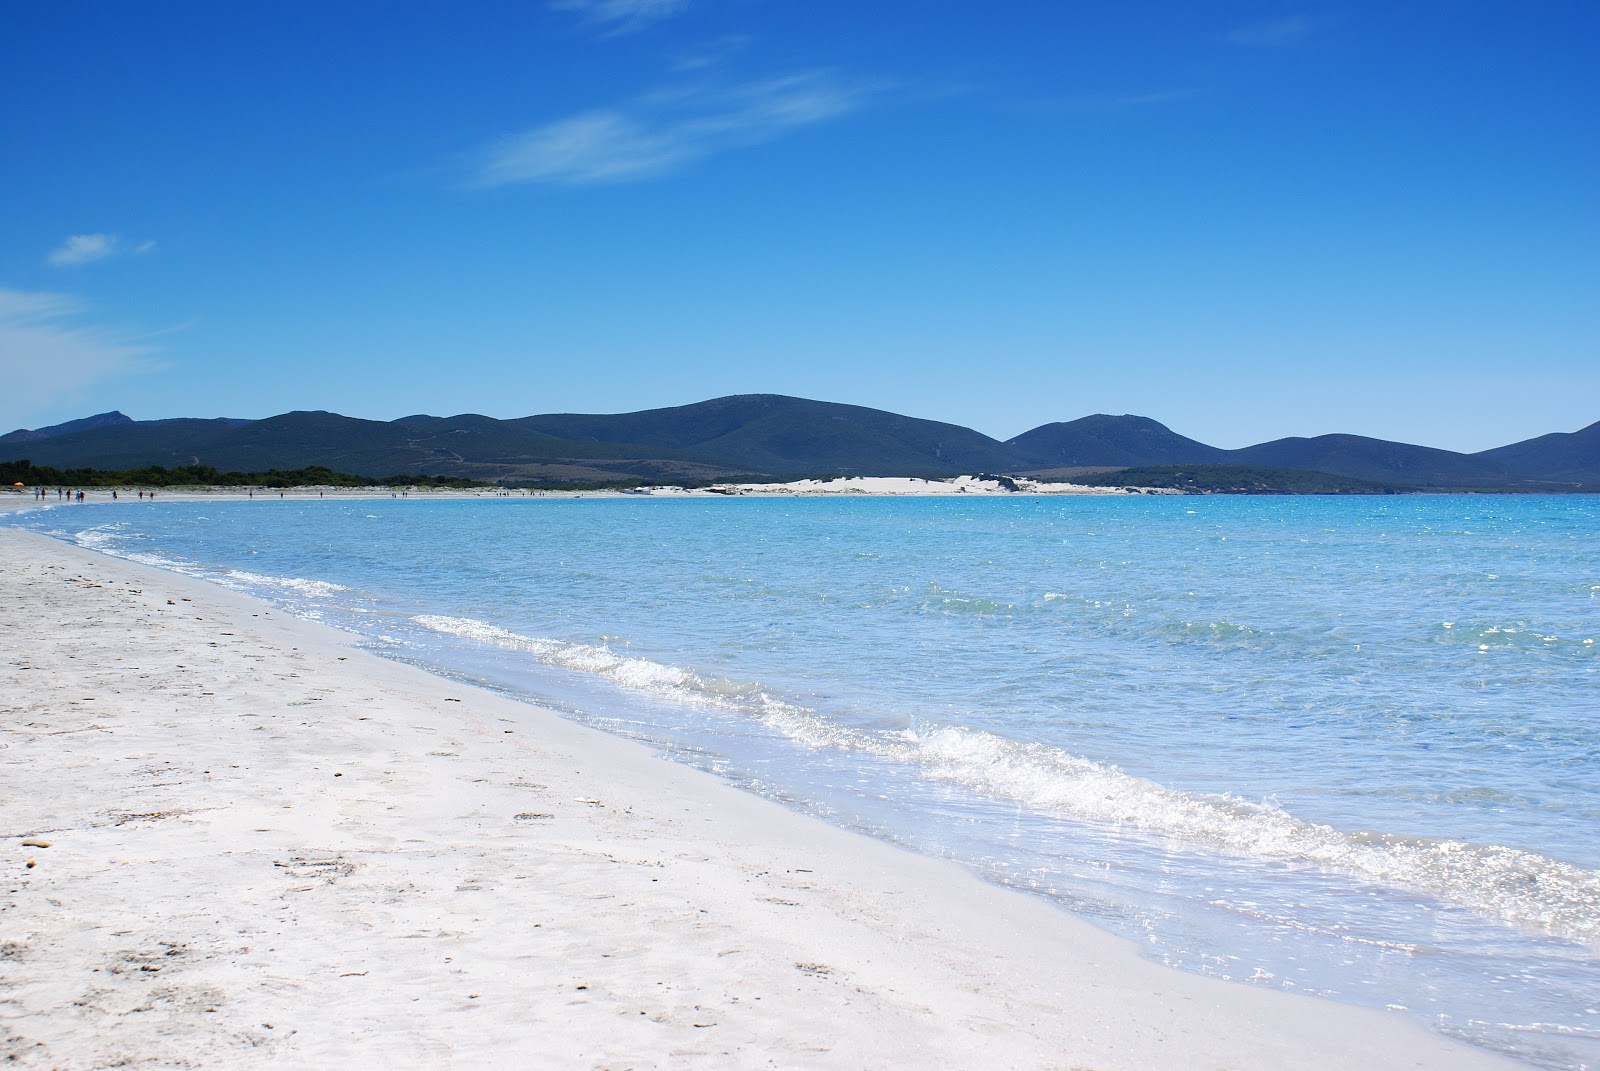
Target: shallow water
1349, 746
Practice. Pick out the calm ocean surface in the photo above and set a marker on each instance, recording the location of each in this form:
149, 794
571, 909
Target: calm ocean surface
1345, 746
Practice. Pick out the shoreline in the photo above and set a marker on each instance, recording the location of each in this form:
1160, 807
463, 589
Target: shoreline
252, 822
886, 486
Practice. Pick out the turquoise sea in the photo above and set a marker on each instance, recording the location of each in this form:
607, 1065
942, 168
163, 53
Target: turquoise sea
1343, 746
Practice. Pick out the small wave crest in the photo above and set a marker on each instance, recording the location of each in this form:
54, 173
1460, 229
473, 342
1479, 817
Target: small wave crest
103, 538
119, 541
1510, 884
640, 674
1507, 883
951, 603
316, 589
1218, 632
1488, 638
114, 540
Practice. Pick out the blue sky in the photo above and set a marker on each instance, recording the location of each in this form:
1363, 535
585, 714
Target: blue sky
1246, 220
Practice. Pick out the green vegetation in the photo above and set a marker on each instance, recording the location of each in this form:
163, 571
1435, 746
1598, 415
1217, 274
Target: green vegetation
1236, 480
25, 472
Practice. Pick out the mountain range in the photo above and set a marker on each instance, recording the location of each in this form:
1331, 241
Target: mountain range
766, 436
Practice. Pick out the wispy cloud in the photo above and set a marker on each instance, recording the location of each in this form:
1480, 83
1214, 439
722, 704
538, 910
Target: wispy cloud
48, 354
667, 130
711, 53
1102, 102
88, 248
1273, 33
615, 17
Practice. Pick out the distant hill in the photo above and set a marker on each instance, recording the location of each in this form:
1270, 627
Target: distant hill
773, 433
741, 436
1237, 480
1108, 440
1378, 460
99, 420
120, 446
758, 436
1564, 456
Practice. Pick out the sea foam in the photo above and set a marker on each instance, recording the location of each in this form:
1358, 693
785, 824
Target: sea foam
316, 589
1519, 887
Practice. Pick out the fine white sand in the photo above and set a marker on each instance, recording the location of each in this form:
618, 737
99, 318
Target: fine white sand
895, 485
266, 848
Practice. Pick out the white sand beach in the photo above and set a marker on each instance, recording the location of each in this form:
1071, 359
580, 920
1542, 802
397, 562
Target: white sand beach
233, 840
887, 486
897, 486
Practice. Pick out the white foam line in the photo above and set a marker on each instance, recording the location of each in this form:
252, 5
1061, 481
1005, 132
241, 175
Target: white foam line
317, 589
107, 540
1505, 883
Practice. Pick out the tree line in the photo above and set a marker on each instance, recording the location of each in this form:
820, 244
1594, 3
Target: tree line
27, 473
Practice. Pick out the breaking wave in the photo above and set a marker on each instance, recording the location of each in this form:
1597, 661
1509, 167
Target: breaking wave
1520, 887
316, 589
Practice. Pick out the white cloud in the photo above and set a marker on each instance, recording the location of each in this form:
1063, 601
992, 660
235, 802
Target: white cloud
1101, 102
711, 53
88, 248
622, 16
48, 355
666, 130
1274, 33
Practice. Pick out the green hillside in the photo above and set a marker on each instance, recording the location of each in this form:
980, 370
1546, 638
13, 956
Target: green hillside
1236, 480
775, 437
